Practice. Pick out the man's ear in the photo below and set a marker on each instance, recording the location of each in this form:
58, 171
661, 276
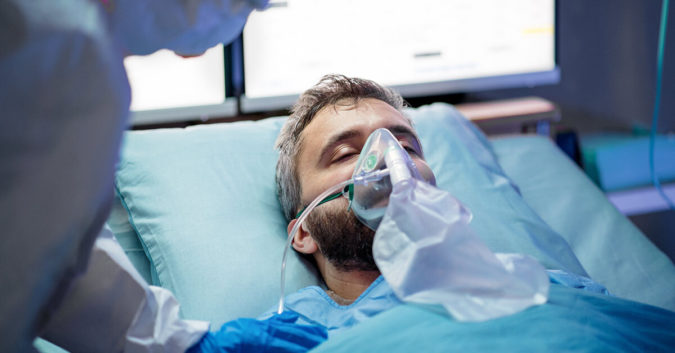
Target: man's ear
302, 241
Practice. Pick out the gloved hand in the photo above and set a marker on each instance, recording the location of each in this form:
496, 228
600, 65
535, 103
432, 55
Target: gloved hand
279, 333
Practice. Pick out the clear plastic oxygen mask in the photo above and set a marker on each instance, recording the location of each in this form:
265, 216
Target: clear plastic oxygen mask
381, 164
382, 154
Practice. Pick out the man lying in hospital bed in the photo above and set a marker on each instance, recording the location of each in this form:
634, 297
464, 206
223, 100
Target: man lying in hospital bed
202, 208
319, 145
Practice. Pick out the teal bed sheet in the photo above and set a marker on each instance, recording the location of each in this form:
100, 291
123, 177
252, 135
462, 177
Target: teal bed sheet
572, 320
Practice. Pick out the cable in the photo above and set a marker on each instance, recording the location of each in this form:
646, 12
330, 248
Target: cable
657, 103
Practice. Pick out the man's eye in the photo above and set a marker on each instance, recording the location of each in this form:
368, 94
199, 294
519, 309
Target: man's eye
345, 157
410, 150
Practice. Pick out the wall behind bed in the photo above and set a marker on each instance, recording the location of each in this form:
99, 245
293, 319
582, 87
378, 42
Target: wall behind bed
607, 54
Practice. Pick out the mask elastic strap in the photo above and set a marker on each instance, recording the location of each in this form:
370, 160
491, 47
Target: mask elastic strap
348, 190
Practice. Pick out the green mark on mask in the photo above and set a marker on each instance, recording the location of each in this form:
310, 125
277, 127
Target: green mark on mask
371, 161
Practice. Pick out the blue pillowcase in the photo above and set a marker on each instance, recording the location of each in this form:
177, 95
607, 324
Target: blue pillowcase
203, 202
613, 251
465, 165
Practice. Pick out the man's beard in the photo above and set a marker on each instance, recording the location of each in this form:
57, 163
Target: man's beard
345, 242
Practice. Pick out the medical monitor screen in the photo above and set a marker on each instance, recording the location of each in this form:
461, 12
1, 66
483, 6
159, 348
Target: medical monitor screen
422, 47
174, 88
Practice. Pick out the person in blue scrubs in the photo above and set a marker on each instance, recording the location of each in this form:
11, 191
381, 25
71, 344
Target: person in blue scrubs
65, 100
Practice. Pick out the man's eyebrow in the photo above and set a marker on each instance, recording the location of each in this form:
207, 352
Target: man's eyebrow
336, 140
408, 132
402, 129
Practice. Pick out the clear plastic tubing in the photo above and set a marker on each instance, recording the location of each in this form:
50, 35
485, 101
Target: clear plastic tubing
361, 179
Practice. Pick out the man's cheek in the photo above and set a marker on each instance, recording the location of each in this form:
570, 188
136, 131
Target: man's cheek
347, 171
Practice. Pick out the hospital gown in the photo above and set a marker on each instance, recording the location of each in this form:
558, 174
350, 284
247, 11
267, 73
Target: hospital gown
315, 307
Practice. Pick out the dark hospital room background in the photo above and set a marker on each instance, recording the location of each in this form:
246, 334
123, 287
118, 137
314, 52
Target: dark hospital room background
607, 53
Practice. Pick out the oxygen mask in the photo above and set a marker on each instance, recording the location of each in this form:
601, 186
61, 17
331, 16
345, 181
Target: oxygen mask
369, 194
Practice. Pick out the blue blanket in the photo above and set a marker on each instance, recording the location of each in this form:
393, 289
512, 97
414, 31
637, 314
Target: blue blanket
572, 320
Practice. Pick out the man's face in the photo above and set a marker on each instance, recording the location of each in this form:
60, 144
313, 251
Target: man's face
331, 145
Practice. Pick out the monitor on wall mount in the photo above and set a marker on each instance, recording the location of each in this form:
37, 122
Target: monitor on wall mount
420, 48
166, 87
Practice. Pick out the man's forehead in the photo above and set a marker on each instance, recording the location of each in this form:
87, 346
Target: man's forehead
349, 126
357, 116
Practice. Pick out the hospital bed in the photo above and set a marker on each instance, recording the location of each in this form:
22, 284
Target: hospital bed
196, 212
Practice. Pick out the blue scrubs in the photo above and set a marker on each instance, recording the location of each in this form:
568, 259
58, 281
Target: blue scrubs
65, 100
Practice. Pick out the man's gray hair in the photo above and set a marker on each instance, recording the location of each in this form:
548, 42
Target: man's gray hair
332, 90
